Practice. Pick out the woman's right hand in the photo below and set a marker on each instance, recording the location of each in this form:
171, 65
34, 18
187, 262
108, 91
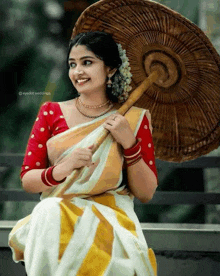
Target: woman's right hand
80, 157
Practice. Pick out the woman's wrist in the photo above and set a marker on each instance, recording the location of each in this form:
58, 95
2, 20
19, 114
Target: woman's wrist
133, 154
48, 179
129, 143
60, 172
134, 148
52, 176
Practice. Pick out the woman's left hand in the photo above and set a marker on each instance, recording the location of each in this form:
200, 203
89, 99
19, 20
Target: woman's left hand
120, 130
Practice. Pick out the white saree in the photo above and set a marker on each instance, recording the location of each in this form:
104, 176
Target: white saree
92, 230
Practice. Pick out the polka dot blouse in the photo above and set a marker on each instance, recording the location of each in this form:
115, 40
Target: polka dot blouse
50, 122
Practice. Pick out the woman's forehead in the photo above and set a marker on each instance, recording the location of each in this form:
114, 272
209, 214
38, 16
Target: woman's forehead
79, 51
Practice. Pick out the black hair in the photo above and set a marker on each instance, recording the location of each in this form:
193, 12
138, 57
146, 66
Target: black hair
104, 47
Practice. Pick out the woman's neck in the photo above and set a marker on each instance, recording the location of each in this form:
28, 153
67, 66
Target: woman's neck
93, 100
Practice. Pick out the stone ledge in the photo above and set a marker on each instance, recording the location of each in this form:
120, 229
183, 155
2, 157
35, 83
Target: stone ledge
161, 236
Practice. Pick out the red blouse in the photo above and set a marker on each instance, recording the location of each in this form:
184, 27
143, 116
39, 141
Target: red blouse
50, 121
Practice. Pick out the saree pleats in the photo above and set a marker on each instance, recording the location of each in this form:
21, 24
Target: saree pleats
69, 216
100, 252
92, 230
123, 219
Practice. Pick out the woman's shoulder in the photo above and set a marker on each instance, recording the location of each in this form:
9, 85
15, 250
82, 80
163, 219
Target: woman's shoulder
144, 111
137, 111
49, 104
67, 103
140, 109
53, 107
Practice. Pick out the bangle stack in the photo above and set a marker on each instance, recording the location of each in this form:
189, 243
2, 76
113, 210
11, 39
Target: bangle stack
47, 177
133, 154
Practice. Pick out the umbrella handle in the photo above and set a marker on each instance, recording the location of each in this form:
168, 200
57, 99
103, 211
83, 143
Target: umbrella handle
135, 95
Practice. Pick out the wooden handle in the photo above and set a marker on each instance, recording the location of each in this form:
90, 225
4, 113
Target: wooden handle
135, 95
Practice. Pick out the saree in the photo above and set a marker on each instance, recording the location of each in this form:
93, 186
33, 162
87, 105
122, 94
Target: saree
92, 229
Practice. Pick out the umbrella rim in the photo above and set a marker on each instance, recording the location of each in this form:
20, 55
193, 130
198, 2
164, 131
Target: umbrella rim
177, 16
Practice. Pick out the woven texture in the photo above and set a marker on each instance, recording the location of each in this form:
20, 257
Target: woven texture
185, 101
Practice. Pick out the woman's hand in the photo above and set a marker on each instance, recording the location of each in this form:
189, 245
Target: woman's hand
120, 130
80, 157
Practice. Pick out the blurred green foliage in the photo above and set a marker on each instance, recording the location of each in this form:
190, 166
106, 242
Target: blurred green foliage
33, 59
187, 8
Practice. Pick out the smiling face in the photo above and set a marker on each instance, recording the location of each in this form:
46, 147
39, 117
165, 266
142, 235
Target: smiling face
87, 72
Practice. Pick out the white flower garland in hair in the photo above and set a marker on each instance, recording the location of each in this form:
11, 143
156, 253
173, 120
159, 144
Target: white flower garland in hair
121, 85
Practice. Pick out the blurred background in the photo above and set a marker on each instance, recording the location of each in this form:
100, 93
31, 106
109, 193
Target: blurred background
33, 47
34, 42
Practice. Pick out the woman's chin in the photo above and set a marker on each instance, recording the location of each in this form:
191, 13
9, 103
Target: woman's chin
84, 92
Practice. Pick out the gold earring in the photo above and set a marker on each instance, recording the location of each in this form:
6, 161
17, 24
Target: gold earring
109, 82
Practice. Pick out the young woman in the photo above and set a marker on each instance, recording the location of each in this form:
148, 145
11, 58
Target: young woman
92, 229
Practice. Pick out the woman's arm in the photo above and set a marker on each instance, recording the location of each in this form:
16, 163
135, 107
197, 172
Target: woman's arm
32, 181
36, 159
142, 176
142, 181
80, 157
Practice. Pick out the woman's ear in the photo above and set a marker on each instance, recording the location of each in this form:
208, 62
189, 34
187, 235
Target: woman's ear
111, 72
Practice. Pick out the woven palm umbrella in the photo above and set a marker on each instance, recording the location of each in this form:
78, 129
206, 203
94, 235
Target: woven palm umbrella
184, 101
176, 73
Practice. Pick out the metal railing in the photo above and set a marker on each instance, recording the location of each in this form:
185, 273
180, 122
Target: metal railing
164, 198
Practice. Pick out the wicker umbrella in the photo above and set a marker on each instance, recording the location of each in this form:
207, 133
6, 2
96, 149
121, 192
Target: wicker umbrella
176, 73
184, 100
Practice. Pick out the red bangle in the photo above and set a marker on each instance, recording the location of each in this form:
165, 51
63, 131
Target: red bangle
133, 154
128, 161
133, 150
134, 161
47, 178
43, 179
129, 157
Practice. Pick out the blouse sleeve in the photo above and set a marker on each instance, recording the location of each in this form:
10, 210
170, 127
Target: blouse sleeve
36, 151
145, 135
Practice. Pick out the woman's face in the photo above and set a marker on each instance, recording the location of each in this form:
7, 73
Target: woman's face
87, 72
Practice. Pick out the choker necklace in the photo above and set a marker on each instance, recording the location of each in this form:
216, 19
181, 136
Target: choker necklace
93, 106
90, 116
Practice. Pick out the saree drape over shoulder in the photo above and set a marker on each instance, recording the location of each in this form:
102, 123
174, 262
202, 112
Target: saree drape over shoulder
92, 230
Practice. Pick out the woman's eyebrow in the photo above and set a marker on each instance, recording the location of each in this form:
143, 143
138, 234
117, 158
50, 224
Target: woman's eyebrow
82, 58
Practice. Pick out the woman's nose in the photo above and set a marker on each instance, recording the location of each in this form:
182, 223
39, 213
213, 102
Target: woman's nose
78, 70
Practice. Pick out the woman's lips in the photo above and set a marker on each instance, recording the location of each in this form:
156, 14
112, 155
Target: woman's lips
82, 81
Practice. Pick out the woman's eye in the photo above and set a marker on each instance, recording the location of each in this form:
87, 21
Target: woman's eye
87, 62
72, 65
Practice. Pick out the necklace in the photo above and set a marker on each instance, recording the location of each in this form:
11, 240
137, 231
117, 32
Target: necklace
93, 106
90, 116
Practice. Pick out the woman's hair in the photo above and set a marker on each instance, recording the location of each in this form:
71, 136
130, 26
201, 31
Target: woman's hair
104, 47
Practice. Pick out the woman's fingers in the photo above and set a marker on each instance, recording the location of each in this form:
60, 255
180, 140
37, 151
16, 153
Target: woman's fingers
116, 120
86, 151
83, 156
120, 129
91, 147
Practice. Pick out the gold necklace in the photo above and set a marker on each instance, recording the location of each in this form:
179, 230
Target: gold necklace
93, 106
92, 116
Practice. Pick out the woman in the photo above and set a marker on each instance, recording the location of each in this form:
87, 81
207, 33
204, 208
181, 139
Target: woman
92, 229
